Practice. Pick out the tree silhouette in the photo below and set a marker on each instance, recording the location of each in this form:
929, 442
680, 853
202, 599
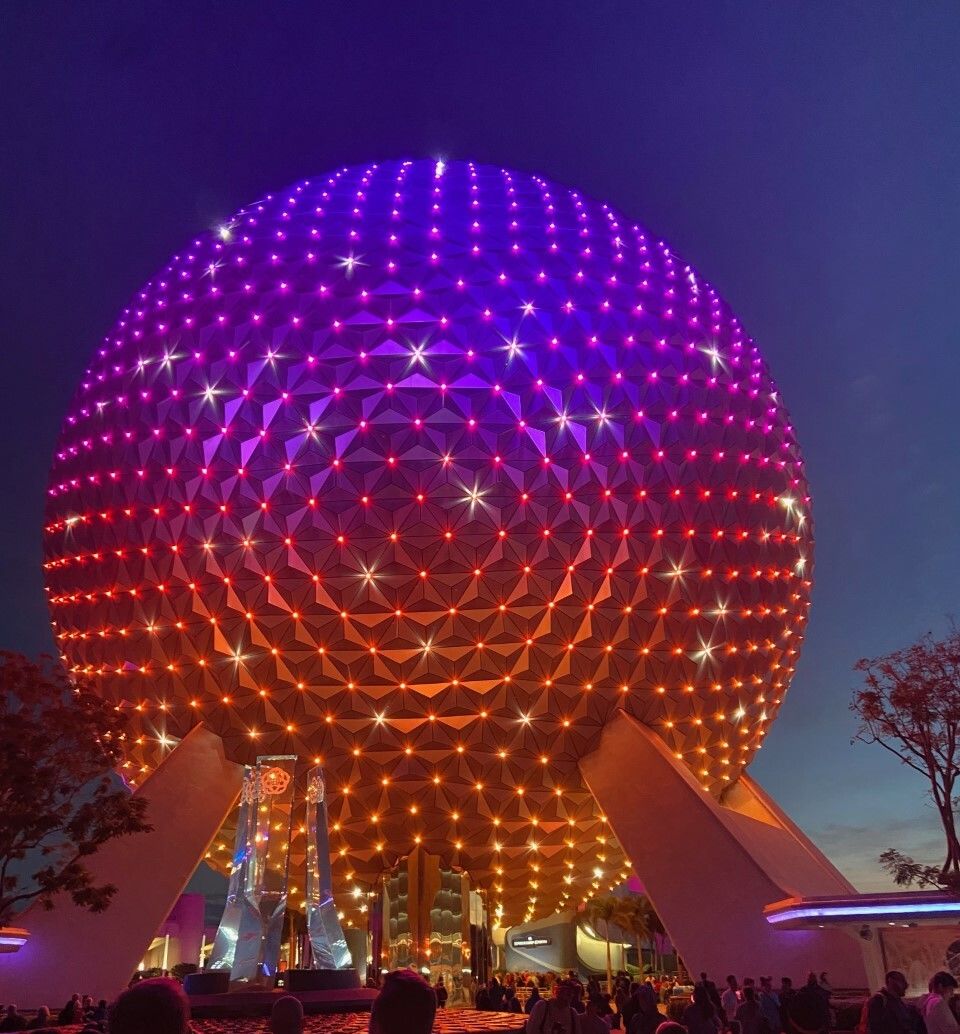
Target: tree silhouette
634, 915
58, 800
910, 706
604, 909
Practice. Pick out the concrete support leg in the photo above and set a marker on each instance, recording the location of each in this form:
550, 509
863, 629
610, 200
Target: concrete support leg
710, 868
70, 950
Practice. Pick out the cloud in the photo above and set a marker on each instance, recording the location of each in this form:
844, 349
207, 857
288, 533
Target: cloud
854, 849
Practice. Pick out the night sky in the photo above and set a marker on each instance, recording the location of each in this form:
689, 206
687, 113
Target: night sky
805, 157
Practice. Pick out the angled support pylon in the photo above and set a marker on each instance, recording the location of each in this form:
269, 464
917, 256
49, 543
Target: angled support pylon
69, 949
710, 867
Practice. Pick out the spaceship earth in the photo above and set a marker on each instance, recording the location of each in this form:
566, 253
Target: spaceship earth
425, 470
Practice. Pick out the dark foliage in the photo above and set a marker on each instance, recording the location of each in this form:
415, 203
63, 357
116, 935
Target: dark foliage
58, 800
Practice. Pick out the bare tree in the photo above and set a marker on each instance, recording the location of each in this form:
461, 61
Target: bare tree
910, 706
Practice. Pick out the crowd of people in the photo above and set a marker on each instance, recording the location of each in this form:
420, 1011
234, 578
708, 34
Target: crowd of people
763, 1009
80, 1010
667, 1005
407, 1004
755, 1008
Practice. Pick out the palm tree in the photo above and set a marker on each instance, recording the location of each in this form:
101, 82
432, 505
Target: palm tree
605, 909
635, 914
657, 929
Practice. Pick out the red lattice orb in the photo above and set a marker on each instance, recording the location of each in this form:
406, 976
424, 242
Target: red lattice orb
426, 470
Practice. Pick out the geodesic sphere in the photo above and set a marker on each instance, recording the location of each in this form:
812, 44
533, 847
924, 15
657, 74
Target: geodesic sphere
425, 471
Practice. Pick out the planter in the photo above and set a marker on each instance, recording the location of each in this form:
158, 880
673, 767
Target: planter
12, 938
300, 980
207, 982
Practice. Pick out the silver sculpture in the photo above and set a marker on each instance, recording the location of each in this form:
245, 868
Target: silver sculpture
248, 939
327, 943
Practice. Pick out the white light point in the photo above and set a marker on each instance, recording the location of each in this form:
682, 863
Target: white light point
348, 263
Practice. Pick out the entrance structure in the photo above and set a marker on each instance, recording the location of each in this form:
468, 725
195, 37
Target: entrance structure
438, 475
713, 866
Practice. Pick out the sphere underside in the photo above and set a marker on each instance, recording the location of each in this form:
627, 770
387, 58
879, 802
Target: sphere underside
425, 471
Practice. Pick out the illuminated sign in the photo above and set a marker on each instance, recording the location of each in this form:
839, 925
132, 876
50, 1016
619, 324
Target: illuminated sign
528, 941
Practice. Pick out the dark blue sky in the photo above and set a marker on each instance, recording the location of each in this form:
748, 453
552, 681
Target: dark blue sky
805, 157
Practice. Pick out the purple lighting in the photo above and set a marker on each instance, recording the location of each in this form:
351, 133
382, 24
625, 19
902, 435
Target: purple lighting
877, 907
